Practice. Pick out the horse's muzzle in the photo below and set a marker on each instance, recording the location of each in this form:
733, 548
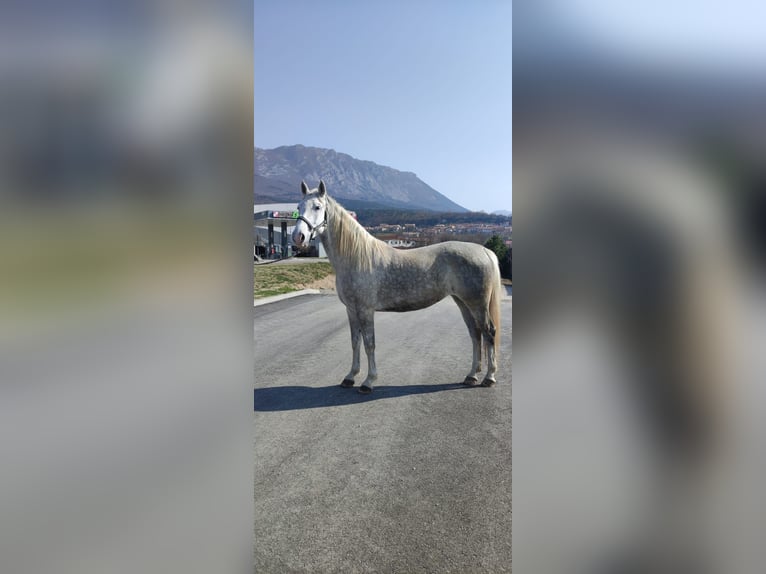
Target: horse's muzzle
298, 239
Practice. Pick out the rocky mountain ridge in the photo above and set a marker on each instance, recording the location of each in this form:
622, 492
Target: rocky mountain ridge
279, 171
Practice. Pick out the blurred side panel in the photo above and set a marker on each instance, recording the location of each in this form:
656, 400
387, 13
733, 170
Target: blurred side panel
639, 317
125, 286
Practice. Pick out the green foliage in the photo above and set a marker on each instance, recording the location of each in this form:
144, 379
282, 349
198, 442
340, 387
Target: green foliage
496, 244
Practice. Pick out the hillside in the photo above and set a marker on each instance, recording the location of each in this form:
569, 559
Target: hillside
373, 217
357, 183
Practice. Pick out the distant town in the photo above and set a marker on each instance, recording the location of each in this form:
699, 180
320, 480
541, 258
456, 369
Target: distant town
412, 235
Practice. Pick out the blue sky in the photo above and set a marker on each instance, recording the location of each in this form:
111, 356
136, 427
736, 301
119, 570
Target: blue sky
421, 86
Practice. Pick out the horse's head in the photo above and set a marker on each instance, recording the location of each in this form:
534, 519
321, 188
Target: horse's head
312, 214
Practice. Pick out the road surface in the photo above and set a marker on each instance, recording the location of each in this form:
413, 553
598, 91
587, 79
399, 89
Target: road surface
413, 478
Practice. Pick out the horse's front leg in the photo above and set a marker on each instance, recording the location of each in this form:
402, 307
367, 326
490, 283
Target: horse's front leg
367, 324
356, 335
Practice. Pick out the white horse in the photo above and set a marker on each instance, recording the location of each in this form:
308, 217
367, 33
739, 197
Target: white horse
373, 276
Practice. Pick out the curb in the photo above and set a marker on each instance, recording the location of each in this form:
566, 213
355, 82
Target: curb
275, 298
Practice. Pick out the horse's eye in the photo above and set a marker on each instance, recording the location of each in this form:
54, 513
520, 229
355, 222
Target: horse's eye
316, 208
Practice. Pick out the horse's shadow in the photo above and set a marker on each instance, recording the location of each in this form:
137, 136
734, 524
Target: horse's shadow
299, 397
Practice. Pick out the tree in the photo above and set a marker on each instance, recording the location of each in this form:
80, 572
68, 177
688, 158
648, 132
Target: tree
496, 244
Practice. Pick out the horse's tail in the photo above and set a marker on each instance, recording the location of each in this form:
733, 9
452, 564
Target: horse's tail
493, 305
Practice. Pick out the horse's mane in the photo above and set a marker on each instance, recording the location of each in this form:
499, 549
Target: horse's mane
351, 241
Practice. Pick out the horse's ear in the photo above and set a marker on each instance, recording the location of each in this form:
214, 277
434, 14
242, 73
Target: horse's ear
304, 188
322, 188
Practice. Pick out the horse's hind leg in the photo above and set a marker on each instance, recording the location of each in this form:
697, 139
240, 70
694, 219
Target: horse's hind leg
489, 333
475, 332
356, 336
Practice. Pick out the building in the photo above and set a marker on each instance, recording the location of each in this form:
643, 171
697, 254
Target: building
273, 224
401, 243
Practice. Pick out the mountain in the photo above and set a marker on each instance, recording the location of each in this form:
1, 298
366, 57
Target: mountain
357, 183
502, 212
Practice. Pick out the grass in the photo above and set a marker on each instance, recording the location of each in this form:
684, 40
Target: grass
276, 279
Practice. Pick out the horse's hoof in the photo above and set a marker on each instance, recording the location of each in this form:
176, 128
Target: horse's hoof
346, 383
365, 390
471, 381
487, 383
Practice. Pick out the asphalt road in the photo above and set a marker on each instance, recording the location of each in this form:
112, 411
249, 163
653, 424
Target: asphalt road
414, 478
